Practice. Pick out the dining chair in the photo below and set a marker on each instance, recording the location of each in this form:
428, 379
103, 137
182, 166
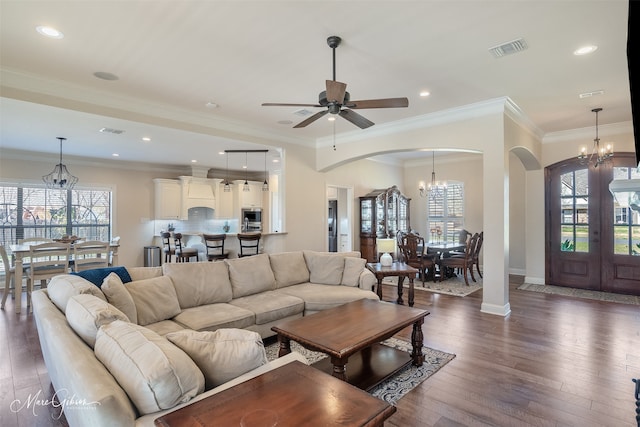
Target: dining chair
9, 275
249, 244
183, 253
90, 254
168, 249
46, 261
476, 256
215, 246
413, 254
463, 261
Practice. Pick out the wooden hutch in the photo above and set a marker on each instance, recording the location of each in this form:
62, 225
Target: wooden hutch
382, 214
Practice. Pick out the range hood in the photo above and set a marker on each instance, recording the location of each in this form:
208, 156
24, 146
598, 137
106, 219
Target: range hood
198, 193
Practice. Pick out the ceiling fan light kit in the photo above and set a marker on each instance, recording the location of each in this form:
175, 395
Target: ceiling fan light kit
337, 100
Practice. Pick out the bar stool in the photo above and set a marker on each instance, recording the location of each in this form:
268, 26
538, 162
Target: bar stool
215, 246
166, 246
249, 244
183, 254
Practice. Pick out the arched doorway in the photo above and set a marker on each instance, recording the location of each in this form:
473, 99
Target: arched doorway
590, 239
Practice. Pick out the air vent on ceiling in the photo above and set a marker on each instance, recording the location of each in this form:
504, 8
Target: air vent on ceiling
590, 94
111, 130
509, 48
303, 112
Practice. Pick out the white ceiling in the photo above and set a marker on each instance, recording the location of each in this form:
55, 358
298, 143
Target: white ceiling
173, 57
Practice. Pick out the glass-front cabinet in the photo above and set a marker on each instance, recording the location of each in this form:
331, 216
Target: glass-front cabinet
383, 213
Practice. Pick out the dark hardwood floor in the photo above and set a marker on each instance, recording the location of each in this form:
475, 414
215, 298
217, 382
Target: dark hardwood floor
554, 361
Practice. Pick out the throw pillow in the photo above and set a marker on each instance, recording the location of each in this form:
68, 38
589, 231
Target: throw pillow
324, 268
64, 286
87, 313
119, 297
353, 267
155, 299
154, 373
222, 355
97, 275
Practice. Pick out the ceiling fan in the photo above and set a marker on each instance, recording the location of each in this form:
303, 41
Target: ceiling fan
337, 100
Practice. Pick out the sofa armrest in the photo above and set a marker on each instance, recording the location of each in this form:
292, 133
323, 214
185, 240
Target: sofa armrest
367, 280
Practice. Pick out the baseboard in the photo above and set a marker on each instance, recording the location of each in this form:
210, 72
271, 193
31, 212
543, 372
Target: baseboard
534, 280
499, 310
518, 271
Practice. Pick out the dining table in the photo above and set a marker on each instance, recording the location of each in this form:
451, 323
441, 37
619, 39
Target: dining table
20, 251
440, 249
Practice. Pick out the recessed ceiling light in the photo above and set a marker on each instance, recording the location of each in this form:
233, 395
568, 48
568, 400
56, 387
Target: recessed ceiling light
49, 32
425, 93
211, 105
585, 50
194, 161
222, 153
116, 155
105, 76
146, 139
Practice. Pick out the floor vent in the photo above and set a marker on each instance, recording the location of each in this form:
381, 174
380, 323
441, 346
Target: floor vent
509, 48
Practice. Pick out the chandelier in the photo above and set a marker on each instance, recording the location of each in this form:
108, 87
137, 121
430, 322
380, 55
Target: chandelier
599, 155
60, 178
435, 189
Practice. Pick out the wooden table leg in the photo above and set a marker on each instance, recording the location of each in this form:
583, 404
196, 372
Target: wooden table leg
411, 291
416, 342
400, 282
379, 290
285, 346
339, 368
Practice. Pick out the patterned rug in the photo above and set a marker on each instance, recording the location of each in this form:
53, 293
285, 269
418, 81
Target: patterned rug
402, 382
453, 286
581, 293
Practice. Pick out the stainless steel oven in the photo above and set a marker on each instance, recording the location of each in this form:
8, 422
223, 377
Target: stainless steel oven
252, 219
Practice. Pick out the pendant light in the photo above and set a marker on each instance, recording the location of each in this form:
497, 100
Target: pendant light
227, 185
60, 178
265, 184
245, 187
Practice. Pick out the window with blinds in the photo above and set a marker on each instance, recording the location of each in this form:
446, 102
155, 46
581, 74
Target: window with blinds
445, 213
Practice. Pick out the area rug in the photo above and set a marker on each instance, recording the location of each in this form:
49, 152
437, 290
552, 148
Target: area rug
581, 293
402, 382
453, 286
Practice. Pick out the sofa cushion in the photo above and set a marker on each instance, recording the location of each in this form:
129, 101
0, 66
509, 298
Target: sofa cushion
270, 306
155, 299
215, 316
353, 267
118, 296
86, 313
199, 283
289, 268
221, 355
164, 327
141, 273
320, 297
250, 275
64, 286
324, 268
97, 275
153, 372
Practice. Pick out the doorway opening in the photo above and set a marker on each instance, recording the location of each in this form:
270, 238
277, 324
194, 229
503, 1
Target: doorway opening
339, 223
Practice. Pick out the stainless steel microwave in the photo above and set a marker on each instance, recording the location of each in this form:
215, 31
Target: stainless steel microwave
252, 219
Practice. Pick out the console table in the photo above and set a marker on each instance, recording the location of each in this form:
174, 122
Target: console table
399, 269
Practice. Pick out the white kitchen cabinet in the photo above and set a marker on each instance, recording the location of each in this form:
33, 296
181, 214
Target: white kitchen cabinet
248, 199
168, 198
224, 202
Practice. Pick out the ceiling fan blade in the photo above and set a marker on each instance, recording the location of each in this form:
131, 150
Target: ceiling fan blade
379, 103
356, 119
336, 91
276, 104
311, 119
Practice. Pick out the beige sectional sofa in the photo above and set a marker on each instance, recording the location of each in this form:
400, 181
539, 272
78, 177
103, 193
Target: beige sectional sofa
90, 335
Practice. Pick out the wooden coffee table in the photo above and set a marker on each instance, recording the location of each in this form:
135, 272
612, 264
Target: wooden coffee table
351, 333
399, 269
292, 395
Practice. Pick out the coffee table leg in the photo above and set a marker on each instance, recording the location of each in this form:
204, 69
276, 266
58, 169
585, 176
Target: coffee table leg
416, 342
379, 290
285, 346
339, 368
400, 282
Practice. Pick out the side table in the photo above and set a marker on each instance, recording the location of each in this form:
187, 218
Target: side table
399, 269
